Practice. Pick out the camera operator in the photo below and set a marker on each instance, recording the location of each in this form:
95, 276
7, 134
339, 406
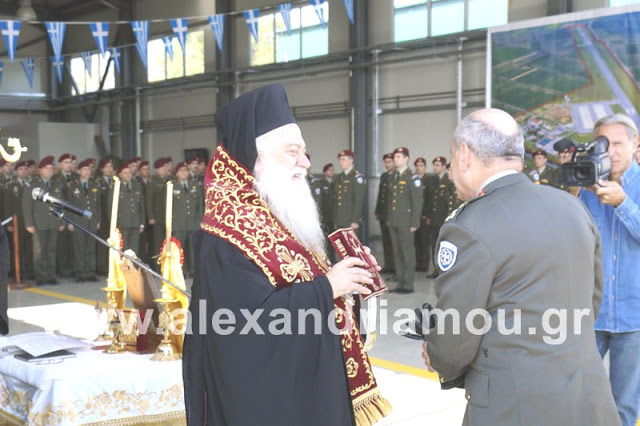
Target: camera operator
615, 207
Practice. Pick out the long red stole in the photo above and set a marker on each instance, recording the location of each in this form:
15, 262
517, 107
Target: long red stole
235, 212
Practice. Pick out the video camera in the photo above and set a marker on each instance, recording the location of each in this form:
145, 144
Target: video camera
589, 162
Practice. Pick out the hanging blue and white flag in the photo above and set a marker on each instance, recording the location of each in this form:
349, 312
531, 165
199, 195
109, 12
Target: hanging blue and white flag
141, 31
252, 22
348, 6
56, 35
115, 55
10, 32
217, 26
285, 12
1, 71
86, 58
180, 28
100, 31
168, 46
317, 5
29, 66
58, 67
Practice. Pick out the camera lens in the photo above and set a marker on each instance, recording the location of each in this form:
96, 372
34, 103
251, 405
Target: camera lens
581, 173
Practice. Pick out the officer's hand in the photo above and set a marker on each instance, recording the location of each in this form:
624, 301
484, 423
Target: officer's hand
152, 221
413, 229
355, 225
609, 192
425, 356
31, 229
10, 228
372, 259
70, 227
348, 275
61, 228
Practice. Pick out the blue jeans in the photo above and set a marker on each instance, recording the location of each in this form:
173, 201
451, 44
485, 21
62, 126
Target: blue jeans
624, 372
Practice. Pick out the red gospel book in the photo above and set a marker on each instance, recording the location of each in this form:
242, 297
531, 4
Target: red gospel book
347, 244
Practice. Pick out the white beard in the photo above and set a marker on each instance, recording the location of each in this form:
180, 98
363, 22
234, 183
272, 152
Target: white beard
291, 203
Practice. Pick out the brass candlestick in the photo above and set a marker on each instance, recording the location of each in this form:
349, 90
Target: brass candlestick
115, 328
166, 351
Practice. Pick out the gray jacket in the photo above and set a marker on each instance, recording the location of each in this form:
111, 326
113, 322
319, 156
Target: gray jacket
531, 248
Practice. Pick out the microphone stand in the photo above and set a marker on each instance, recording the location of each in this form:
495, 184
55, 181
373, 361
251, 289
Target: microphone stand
60, 215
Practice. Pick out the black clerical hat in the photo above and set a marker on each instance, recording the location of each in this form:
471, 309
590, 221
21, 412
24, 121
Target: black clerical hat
249, 116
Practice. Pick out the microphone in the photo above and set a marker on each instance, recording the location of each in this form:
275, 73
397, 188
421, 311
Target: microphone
38, 194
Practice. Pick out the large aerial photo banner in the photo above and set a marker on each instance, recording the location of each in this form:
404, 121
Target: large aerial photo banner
558, 75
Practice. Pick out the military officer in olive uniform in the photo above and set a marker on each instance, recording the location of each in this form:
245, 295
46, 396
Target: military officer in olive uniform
441, 196
85, 194
43, 226
13, 194
324, 193
6, 177
382, 212
105, 182
351, 190
156, 202
541, 174
404, 209
421, 236
187, 212
194, 177
146, 238
131, 208
64, 255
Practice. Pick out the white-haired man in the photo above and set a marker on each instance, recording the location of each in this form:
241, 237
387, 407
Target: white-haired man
520, 265
260, 258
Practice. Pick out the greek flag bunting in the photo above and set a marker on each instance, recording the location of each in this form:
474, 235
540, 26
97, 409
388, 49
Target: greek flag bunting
86, 58
100, 31
168, 46
251, 16
317, 5
10, 32
217, 26
29, 66
56, 36
180, 28
285, 12
115, 55
141, 31
348, 6
58, 67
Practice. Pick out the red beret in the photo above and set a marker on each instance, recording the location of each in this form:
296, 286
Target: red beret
540, 152
401, 150
91, 160
124, 165
31, 163
441, 160
136, 159
73, 157
161, 162
46, 161
420, 160
327, 166
65, 156
104, 162
86, 163
193, 159
181, 165
144, 163
200, 160
21, 164
389, 156
346, 152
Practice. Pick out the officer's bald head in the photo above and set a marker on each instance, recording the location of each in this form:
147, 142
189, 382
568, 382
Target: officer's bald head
491, 134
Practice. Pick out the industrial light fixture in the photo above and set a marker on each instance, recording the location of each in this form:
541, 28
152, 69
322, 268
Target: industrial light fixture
25, 12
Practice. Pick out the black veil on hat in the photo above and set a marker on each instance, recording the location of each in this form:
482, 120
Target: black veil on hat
253, 114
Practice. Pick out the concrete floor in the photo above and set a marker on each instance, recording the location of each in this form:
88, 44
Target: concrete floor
402, 377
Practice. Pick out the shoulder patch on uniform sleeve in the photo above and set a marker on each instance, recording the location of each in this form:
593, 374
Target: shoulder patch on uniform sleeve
318, 191
447, 254
417, 182
360, 178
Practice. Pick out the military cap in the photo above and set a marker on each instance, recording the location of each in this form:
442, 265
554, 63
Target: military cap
92, 161
161, 162
346, 152
136, 159
104, 162
327, 167
31, 163
539, 152
441, 159
420, 160
144, 163
124, 165
86, 163
401, 150
65, 156
181, 165
21, 164
389, 156
200, 159
193, 159
73, 157
46, 161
